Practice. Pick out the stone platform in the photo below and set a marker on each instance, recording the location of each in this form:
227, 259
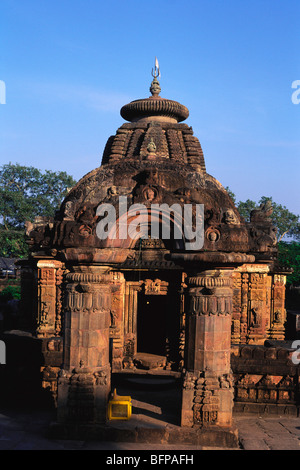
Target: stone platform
29, 430
149, 361
155, 417
143, 430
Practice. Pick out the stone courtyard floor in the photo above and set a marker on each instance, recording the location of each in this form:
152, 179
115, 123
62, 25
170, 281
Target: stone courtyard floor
27, 430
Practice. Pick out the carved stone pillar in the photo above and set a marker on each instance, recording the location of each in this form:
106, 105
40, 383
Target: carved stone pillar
207, 397
181, 343
116, 321
257, 308
47, 296
59, 298
41, 293
132, 289
84, 382
236, 306
244, 306
278, 312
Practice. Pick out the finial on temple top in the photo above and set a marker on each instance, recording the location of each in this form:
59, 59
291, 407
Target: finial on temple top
155, 86
156, 72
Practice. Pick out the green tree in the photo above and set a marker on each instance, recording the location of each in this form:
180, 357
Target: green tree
25, 193
231, 194
245, 208
12, 243
11, 292
289, 255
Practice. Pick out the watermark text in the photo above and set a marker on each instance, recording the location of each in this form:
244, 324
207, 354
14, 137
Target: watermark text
174, 222
2, 92
296, 94
296, 354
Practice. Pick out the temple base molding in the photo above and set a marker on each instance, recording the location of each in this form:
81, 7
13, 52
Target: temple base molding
130, 431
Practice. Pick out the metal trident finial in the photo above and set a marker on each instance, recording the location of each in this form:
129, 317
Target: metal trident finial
156, 72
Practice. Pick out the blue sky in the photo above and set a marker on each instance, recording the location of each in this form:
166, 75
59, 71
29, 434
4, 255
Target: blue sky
70, 65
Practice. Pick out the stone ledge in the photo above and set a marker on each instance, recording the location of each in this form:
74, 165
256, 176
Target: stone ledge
208, 436
276, 409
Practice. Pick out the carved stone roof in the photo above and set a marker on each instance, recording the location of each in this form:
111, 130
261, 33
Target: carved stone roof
174, 142
155, 120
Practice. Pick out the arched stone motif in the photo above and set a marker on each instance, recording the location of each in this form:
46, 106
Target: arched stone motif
124, 234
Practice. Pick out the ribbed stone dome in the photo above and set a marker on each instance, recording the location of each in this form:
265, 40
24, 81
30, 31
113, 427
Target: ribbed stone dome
154, 106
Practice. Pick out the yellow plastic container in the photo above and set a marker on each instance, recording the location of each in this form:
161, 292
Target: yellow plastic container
119, 407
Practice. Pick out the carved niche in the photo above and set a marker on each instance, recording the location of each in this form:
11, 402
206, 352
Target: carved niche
156, 287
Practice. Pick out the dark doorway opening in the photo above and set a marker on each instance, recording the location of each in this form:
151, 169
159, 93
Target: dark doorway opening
152, 324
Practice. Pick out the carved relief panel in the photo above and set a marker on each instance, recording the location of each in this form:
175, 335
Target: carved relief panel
257, 312
156, 287
258, 305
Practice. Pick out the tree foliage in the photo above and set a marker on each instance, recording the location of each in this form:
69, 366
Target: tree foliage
25, 193
231, 194
10, 293
12, 243
245, 208
289, 255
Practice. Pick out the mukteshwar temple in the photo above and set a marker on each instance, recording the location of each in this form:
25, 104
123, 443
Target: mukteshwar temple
212, 317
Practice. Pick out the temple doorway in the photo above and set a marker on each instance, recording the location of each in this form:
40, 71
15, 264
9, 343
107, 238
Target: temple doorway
153, 320
152, 324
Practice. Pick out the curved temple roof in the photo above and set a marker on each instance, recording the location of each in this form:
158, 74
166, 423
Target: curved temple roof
155, 119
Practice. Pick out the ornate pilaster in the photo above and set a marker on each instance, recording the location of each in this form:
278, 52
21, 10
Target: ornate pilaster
59, 301
207, 391
116, 320
182, 317
257, 312
236, 312
278, 312
47, 323
130, 322
252, 306
84, 382
244, 306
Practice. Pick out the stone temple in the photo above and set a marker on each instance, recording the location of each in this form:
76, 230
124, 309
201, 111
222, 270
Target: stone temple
214, 317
